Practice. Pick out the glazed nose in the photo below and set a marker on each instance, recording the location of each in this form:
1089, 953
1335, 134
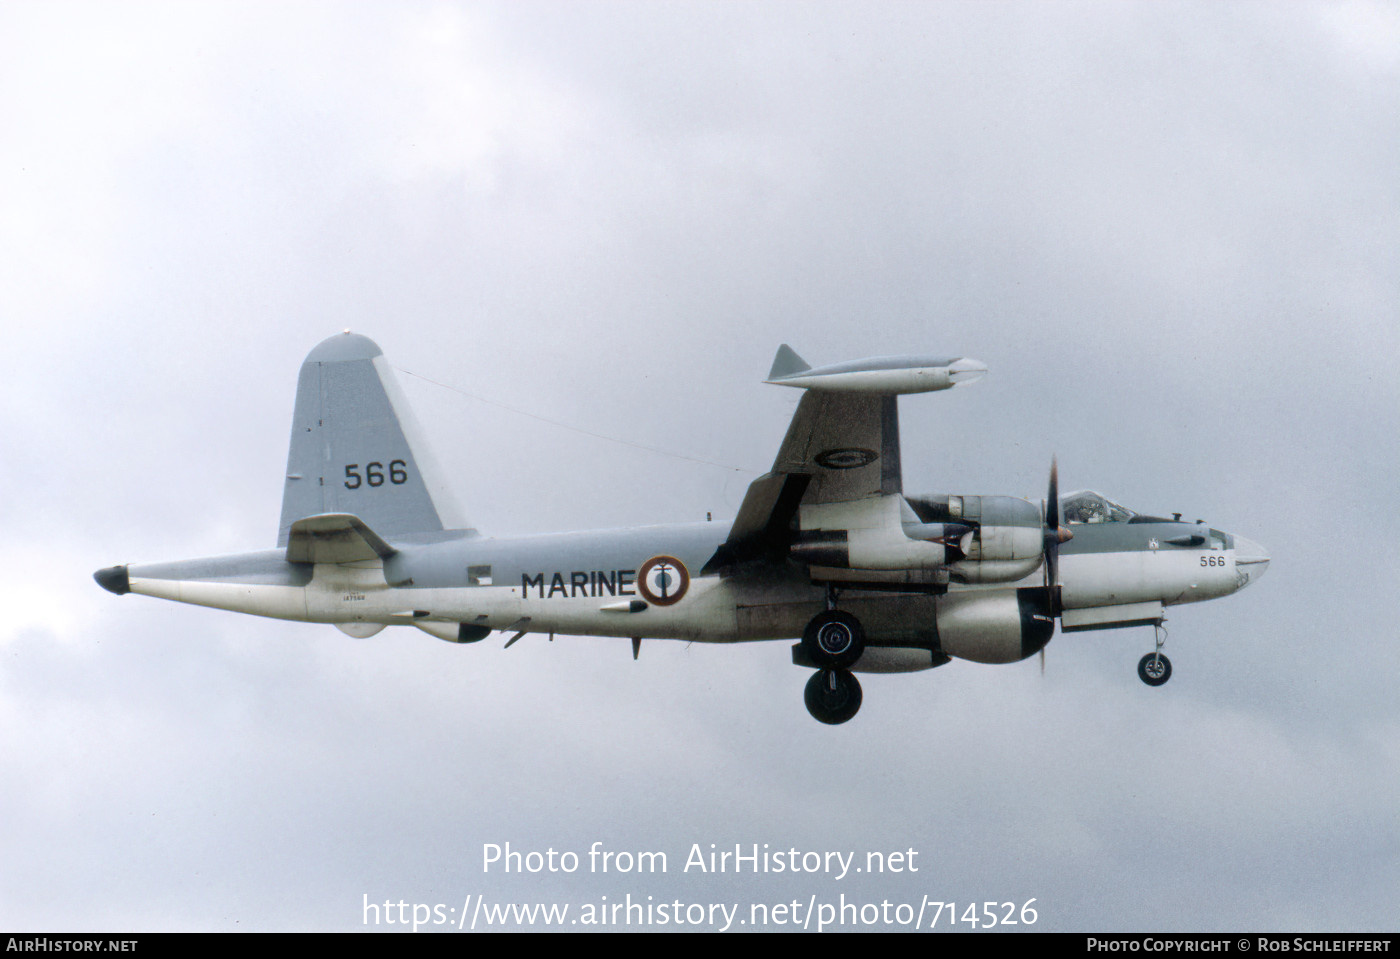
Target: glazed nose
1250, 558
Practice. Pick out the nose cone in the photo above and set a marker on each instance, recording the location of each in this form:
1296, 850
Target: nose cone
1251, 560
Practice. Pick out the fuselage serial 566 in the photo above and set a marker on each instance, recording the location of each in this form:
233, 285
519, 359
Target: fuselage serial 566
826, 547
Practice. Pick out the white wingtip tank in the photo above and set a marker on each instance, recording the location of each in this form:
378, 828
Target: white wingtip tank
889, 375
356, 447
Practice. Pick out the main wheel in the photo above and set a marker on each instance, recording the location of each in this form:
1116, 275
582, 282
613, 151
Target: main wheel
833, 696
1154, 669
834, 640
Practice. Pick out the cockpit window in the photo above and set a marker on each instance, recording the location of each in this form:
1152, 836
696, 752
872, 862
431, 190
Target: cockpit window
1087, 506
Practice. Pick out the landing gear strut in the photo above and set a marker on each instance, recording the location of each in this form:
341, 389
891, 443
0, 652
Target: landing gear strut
833, 639
1154, 669
833, 696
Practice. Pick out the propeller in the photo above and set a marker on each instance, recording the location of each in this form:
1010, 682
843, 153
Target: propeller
1054, 535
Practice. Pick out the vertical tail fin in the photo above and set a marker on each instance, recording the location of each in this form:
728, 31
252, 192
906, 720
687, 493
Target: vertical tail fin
356, 447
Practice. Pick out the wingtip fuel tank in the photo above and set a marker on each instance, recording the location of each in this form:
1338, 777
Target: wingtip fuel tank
877, 374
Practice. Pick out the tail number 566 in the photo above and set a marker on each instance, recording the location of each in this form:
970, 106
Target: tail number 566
374, 474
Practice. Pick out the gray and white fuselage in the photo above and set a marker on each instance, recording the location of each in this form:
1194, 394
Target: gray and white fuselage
585, 583
369, 537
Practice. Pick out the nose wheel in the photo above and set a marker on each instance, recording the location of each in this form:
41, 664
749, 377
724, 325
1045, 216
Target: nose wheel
1154, 669
833, 696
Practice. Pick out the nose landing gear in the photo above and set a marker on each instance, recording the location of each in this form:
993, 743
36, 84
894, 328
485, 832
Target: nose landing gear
1154, 669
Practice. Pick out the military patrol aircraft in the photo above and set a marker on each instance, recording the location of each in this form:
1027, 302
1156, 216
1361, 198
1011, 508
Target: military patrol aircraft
826, 545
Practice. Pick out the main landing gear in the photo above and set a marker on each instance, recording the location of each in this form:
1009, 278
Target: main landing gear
833, 696
833, 641
1154, 669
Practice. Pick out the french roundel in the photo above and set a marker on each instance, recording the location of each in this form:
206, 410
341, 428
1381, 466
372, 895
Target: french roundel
849, 458
663, 580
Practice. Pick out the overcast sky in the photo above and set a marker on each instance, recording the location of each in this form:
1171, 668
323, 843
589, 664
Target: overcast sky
1169, 229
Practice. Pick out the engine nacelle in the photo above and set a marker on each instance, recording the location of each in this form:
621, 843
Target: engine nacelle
980, 572
994, 626
1006, 542
913, 546
873, 533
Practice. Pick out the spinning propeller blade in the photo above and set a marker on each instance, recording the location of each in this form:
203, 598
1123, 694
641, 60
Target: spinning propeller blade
1054, 533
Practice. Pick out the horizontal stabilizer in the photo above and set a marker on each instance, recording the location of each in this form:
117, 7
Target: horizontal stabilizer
334, 538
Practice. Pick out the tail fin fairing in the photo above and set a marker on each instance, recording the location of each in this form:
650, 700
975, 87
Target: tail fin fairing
356, 447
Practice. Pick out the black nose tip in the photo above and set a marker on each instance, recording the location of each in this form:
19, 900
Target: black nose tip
113, 579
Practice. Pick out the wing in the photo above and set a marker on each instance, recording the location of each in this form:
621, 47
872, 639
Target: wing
839, 447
